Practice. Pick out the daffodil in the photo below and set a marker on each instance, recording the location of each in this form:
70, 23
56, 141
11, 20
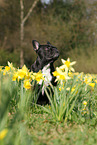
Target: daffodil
27, 84
25, 69
88, 79
67, 65
55, 73
72, 90
28, 75
70, 74
76, 73
6, 70
84, 103
81, 76
3, 133
11, 66
15, 76
92, 85
61, 88
21, 74
38, 76
60, 75
32, 77
96, 81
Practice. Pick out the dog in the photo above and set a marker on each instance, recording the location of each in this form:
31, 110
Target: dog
47, 55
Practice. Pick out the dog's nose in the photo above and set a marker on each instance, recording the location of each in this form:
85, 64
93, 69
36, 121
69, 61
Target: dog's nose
57, 54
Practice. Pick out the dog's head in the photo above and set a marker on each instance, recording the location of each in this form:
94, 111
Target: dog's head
47, 53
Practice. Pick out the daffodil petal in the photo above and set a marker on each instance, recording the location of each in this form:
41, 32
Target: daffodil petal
63, 61
72, 63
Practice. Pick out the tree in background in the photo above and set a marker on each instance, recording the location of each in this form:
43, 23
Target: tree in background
12, 18
22, 23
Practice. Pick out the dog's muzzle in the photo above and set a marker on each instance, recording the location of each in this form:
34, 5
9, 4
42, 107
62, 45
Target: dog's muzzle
56, 55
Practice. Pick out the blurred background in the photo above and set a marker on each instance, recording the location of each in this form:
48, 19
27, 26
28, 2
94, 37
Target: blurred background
70, 25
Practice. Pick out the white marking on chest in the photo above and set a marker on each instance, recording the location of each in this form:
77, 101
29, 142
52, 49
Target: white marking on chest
47, 75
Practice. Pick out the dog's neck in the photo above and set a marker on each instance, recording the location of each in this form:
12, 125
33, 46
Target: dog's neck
49, 68
46, 71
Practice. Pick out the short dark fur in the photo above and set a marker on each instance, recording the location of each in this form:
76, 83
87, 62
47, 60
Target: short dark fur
47, 54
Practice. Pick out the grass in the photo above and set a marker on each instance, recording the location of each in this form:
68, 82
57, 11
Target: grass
70, 119
47, 132
43, 131
66, 134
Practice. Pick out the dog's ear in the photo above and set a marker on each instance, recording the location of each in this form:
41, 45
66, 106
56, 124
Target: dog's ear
35, 45
48, 43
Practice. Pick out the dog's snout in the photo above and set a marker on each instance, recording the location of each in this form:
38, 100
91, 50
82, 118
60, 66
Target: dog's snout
57, 51
56, 54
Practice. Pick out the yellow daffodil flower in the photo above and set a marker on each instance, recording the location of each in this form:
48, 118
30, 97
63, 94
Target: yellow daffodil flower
92, 85
67, 65
55, 73
21, 74
32, 77
96, 81
28, 76
15, 76
27, 84
3, 133
72, 90
38, 76
70, 74
11, 66
60, 74
84, 103
6, 70
61, 88
25, 69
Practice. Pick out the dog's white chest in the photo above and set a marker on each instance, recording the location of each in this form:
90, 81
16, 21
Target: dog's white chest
47, 75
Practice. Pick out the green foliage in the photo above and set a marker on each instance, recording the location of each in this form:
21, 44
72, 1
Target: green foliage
5, 56
13, 101
67, 102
